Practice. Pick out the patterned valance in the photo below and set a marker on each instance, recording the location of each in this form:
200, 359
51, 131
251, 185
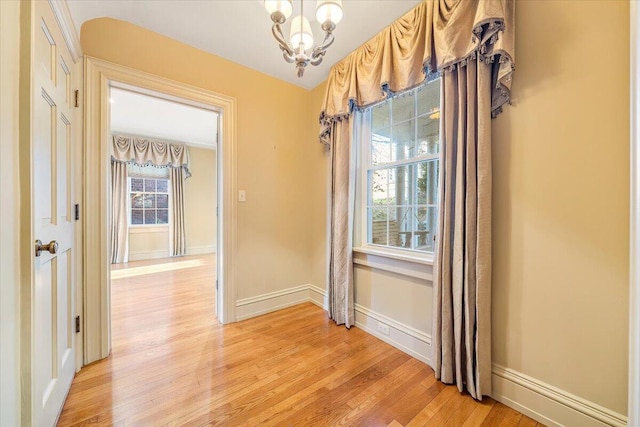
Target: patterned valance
143, 152
436, 36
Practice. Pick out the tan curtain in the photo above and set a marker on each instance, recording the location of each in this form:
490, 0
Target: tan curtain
471, 44
462, 272
142, 151
119, 220
437, 35
341, 308
177, 234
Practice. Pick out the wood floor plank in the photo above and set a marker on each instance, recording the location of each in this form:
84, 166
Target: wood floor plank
174, 364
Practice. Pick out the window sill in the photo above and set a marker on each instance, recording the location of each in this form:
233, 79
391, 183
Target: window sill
404, 264
148, 228
400, 255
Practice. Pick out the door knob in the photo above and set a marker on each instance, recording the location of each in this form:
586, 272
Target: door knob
52, 247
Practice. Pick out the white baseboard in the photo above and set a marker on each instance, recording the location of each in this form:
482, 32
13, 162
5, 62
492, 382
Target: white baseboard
319, 297
200, 250
143, 255
403, 337
548, 404
273, 301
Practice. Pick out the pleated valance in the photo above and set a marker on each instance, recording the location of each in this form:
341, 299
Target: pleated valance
436, 36
142, 152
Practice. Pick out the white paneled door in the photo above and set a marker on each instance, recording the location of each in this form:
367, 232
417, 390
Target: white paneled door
54, 78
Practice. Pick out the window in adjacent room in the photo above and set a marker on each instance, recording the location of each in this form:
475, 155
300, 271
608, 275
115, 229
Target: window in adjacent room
148, 196
398, 182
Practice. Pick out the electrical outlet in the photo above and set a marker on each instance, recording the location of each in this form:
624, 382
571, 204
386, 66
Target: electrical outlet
383, 328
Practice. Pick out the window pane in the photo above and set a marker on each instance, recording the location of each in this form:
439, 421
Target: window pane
427, 182
150, 216
377, 225
136, 184
380, 147
162, 200
428, 135
136, 216
163, 216
403, 108
400, 234
149, 200
401, 182
425, 227
429, 98
402, 141
162, 185
136, 200
380, 116
150, 185
378, 185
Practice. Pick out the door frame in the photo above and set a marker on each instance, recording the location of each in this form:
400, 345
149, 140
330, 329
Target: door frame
98, 76
633, 411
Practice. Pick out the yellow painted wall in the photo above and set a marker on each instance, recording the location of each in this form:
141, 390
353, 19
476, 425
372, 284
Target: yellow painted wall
200, 202
271, 133
561, 201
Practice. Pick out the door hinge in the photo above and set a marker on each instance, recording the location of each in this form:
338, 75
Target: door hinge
77, 324
77, 94
77, 212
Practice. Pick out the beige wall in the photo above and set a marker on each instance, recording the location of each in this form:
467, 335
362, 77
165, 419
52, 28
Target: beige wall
200, 195
561, 201
9, 216
200, 192
273, 225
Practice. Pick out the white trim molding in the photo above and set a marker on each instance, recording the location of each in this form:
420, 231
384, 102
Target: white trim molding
548, 404
247, 308
99, 75
403, 337
634, 220
65, 21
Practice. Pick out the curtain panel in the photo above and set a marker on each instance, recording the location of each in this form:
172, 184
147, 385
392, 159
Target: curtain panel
136, 151
435, 36
470, 43
142, 152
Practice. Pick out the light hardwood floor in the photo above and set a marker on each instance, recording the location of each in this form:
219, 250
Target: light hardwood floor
173, 364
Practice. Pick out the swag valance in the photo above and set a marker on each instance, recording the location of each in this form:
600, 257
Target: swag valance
141, 151
436, 36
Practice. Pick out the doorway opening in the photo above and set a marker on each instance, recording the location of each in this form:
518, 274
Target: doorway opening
100, 77
163, 230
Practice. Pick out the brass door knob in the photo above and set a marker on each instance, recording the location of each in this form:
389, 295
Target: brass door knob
52, 247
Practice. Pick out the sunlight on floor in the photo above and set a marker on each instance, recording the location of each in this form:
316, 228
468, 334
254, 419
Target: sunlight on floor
156, 268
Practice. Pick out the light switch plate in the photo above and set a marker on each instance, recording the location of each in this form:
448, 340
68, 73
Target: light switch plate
242, 196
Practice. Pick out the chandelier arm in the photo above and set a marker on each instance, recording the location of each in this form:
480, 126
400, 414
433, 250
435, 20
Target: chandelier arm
286, 48
288, 58
319, 51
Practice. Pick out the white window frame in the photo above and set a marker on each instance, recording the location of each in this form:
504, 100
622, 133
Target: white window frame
362, 134
148, 227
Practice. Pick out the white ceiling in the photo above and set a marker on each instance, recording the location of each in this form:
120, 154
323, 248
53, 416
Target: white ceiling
240, 30
138, 114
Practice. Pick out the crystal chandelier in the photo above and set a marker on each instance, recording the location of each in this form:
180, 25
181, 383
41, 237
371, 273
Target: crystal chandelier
328, 14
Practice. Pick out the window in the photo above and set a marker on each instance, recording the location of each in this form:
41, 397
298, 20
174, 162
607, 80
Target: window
149, 201
400, 145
